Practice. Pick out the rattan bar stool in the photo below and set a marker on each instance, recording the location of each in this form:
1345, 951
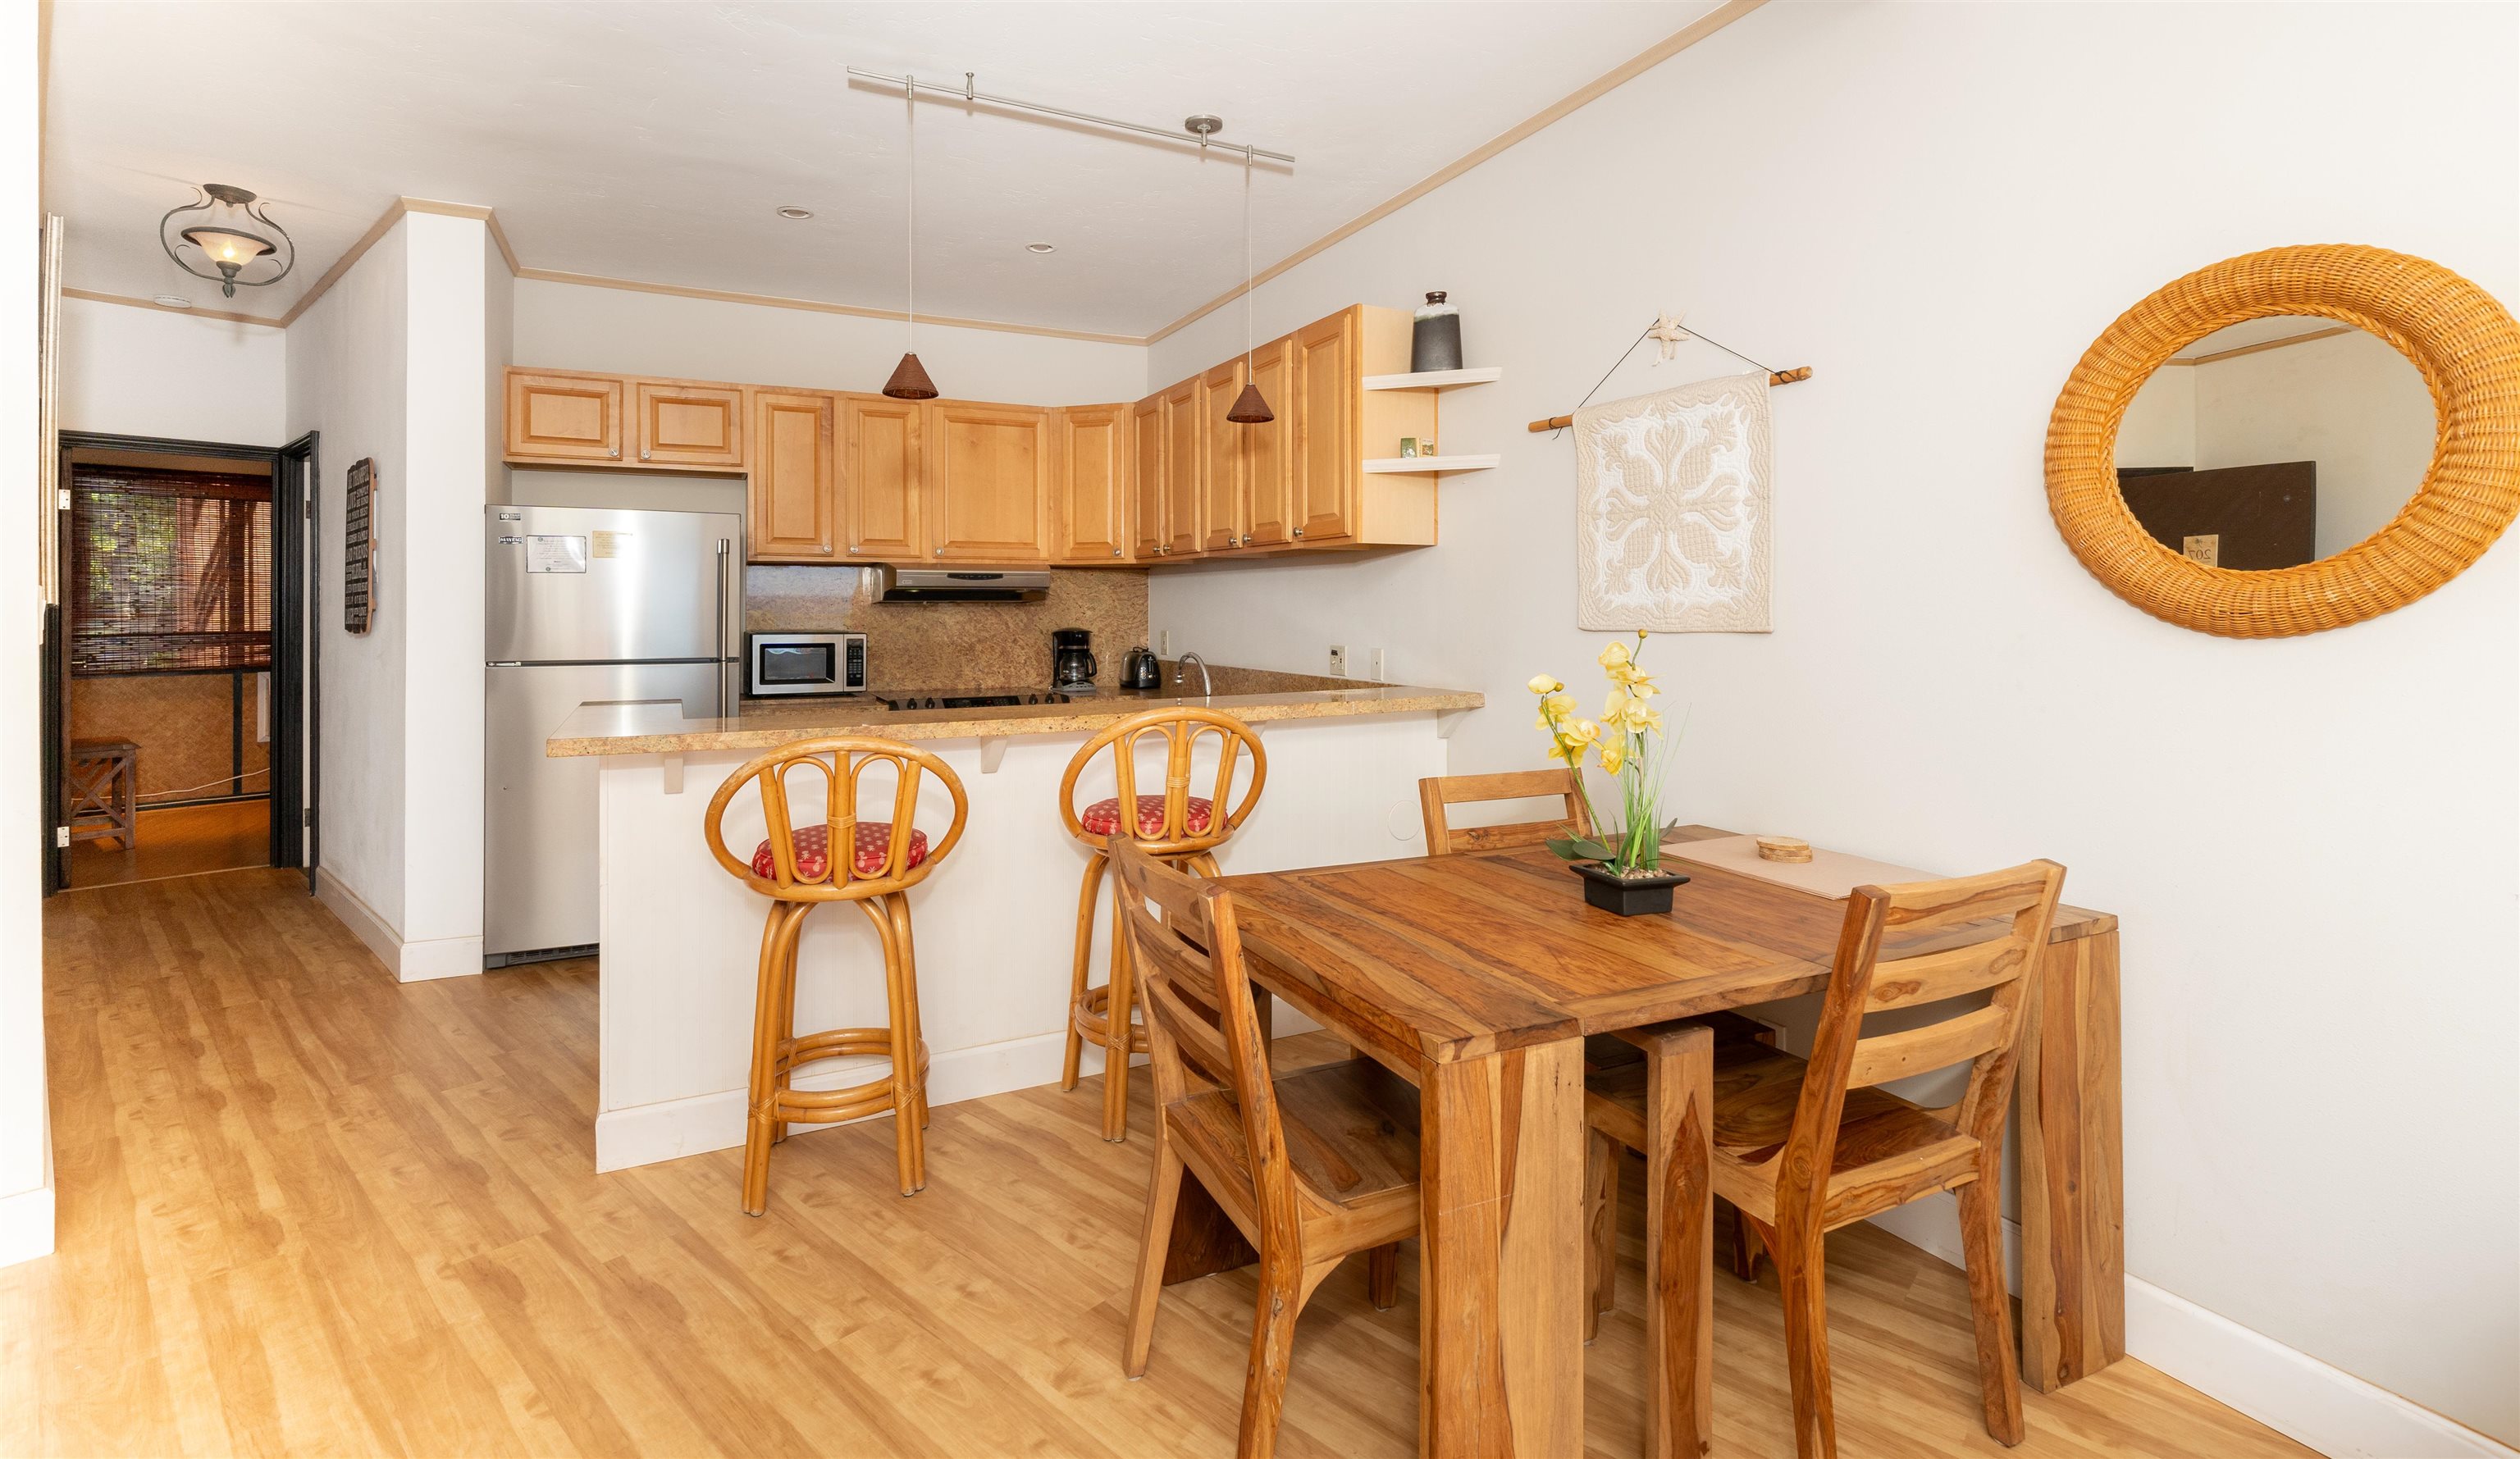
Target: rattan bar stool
796, 868
1178, 828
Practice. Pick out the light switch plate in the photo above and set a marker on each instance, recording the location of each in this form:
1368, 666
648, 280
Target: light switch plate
1380, 672
1339, 660
1164, 647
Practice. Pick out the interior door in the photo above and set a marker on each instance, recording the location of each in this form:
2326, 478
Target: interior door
293, 662
2248, 518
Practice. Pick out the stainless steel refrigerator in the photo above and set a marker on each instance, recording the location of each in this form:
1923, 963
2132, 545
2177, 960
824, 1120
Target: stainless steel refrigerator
587, 606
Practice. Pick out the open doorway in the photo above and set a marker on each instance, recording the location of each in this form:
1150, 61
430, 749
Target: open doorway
177, 669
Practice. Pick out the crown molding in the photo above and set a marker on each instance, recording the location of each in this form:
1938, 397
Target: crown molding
1610, 80
818, 306
2261, 348
94, 297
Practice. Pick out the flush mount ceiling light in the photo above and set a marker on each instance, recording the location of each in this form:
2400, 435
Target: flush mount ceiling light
226, 229
910, 380
1041, 248
794, 214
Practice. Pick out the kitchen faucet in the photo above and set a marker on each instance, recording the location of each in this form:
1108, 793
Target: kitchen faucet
1181, 666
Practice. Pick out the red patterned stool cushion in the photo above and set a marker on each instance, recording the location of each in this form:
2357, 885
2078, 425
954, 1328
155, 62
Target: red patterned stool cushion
814, 851
1103, 818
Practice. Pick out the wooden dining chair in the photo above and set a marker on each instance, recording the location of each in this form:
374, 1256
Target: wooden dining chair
1636, 1055
1173, 826
872, 864
1802, 1147
1313, 1168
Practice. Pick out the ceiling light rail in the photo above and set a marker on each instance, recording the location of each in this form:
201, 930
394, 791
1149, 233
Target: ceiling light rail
1201, 129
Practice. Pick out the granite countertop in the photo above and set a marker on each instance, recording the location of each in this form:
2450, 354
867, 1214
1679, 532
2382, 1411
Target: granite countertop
1252, 695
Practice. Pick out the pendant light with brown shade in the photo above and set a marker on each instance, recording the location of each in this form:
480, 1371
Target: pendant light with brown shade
910, 380
1250, 407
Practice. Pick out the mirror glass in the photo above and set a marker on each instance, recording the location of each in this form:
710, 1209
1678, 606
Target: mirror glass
2275, 442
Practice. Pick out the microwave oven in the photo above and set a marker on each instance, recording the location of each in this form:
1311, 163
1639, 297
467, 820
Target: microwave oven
805, 664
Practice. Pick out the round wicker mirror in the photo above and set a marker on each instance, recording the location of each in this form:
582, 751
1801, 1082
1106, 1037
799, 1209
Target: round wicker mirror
2464, 344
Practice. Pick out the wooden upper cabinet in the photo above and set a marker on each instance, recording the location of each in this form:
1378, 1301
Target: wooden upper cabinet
989, 471
1147, 520
792, 495
677, 422
1094, 447
557, 415
1270, 460
881, 441
1185, 468
1221, 475
1329, 469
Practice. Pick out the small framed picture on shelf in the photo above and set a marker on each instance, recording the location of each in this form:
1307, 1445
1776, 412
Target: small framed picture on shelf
1408, 448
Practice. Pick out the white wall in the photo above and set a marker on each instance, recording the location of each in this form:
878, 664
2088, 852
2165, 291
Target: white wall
395, 363
577, 327
2312, 842
25, 1141
2349, 402
350, 362
155, 372
2160, 425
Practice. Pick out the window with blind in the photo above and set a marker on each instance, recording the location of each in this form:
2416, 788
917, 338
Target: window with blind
170, 571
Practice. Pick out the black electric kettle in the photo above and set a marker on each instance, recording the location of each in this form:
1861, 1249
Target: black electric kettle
1141, 670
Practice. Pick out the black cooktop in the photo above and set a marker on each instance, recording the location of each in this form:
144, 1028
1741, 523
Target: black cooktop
968, 698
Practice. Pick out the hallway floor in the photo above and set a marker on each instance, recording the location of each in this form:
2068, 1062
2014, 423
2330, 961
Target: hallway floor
179, 841
304, 1208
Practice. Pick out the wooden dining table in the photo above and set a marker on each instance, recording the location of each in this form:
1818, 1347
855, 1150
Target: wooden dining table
1477, 977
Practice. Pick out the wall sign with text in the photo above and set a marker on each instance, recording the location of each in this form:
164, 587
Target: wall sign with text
359, 549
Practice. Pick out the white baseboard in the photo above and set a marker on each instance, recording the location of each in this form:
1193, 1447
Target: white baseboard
26, 1225
646, 1134
409, 962
2288, 1391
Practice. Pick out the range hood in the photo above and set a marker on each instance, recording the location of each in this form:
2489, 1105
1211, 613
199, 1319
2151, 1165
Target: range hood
962, 585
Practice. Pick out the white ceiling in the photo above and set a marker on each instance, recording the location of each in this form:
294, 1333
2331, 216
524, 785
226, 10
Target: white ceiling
652, 141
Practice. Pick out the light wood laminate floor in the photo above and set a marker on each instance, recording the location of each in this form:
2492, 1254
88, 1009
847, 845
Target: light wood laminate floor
304, 1209
178, 840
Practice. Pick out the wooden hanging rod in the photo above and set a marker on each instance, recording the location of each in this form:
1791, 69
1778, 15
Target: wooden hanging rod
1774, 377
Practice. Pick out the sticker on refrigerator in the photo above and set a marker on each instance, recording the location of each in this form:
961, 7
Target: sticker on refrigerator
608, 543
555, 553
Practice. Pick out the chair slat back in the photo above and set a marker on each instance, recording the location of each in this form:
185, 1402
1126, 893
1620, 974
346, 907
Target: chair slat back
1935, 959
1201, 1017
842, 762
1437, 792
1180, 727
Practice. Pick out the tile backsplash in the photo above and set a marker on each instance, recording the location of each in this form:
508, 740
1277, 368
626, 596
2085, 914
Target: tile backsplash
953, 645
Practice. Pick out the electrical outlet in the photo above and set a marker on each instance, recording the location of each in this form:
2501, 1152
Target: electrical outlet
1339, 660
1380, 672
1165, 645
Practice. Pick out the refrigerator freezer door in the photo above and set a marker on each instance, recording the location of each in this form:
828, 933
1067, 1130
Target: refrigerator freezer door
578, 585
539, 819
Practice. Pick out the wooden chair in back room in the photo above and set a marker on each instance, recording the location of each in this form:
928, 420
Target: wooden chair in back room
1174, 826
1313, 1168
872, 865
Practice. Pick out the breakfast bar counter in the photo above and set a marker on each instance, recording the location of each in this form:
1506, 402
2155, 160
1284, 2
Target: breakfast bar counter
997, 921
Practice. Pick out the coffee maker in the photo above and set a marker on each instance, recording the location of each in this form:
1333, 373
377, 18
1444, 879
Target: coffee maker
1072, 665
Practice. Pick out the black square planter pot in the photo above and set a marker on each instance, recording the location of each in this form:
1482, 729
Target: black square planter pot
1629, 897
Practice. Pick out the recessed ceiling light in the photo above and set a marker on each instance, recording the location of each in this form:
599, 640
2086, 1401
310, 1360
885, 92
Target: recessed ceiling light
171, 301
795, 214
1041, 248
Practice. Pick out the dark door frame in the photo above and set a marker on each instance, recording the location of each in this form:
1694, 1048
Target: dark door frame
294, 479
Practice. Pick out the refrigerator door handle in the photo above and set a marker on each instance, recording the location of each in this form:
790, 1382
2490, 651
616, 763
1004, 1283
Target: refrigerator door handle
723, 545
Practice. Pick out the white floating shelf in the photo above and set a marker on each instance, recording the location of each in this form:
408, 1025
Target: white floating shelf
1405, 464
1432, 380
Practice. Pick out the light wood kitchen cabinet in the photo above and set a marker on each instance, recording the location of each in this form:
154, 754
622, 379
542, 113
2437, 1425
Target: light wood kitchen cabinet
561, 416
1220, 475
1332, 452
881, 479
1147, 519
1091, 483
684, 423
1270, 462
791, 497
989, 471
1185, 468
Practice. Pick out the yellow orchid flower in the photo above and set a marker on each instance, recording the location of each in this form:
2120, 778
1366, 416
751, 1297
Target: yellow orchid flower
1614, 657
1544, 685
1553, 707
1614, 753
